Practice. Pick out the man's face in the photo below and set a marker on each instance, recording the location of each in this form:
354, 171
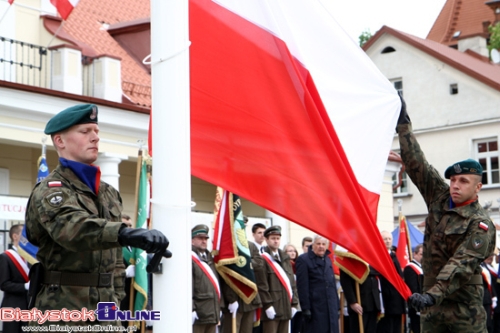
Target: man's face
464, 187
418, 256
258, 235
200, 242
305, 248
127, 222
387, 238
79, 143
273, 241
319, 247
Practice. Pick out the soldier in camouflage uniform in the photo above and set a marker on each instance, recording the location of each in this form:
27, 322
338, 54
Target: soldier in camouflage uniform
459, 235
75, 220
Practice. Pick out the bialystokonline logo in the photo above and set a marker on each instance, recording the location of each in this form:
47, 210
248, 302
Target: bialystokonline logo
106, 311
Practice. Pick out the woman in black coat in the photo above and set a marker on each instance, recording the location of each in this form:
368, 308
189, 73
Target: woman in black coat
317, 289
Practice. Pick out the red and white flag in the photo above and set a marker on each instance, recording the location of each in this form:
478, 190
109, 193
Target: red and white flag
403, 250
64, 7
10, 2
288, 112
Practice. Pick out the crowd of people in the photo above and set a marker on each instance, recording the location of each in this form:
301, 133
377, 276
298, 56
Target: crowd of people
76, 221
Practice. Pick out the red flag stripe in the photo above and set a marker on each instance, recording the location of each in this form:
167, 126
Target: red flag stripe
64, 7
259, 128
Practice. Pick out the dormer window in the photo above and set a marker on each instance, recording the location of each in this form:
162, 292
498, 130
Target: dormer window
456, 34
388, 49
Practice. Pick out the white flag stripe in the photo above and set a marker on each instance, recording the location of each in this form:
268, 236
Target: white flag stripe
361, 103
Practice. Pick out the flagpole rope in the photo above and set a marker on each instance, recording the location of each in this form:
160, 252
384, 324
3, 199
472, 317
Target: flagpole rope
175, 54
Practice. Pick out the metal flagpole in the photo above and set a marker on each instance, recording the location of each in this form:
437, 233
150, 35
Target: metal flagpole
171, 200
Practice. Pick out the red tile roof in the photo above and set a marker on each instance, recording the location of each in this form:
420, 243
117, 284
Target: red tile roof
466, 16
485, 72
87, 25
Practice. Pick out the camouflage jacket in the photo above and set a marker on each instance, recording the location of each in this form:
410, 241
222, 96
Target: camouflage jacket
454, 243
77, 232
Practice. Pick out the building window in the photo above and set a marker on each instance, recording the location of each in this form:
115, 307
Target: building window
453, 89
487, 154
398, 85
403, 189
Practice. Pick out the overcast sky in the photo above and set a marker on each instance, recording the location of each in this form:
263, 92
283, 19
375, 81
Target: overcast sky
410, 16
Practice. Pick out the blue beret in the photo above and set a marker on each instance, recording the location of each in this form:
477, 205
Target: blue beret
272, 230
199, 230
467, 167
78, 114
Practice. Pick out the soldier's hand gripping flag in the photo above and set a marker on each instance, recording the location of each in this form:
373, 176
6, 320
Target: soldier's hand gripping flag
230, 246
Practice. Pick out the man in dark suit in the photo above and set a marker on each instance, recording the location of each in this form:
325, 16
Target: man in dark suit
414, 278
14, 281
394, 303
369, 304
317, 289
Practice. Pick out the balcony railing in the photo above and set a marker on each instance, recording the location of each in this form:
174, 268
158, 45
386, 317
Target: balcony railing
24, 63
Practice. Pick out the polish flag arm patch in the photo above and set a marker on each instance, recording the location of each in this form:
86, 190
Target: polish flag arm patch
483, 226
55, 183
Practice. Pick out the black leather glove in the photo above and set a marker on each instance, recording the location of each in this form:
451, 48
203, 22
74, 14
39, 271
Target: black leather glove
421, 301
403, 115
151, 241
307, 315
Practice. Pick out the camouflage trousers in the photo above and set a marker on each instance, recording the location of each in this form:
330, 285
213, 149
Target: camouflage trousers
454, 317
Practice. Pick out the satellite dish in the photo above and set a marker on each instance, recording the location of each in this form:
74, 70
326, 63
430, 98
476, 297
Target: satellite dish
495, 56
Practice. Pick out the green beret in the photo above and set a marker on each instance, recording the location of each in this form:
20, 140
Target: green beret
272, 230
467, 167
199, 230
78, 114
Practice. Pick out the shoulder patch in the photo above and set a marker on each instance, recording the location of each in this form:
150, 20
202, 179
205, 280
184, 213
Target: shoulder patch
55, 199
55, 183
483, 226
477, 242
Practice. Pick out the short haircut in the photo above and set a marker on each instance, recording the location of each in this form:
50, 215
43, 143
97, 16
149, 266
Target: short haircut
306, 239
257, 226
15, 230
417, 248
318, 237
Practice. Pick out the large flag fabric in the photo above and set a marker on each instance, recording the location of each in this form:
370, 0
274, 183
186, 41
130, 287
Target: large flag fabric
232, 255
64, 7
403, 251
10, 2
139, 256
288, 112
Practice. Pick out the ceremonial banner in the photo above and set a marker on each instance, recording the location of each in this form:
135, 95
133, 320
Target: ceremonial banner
283, 107
403, 251
232, 256
351, 264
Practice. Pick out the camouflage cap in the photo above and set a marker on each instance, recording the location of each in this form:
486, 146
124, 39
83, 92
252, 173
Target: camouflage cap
199, 230
272, 230
466, 167
77, 114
